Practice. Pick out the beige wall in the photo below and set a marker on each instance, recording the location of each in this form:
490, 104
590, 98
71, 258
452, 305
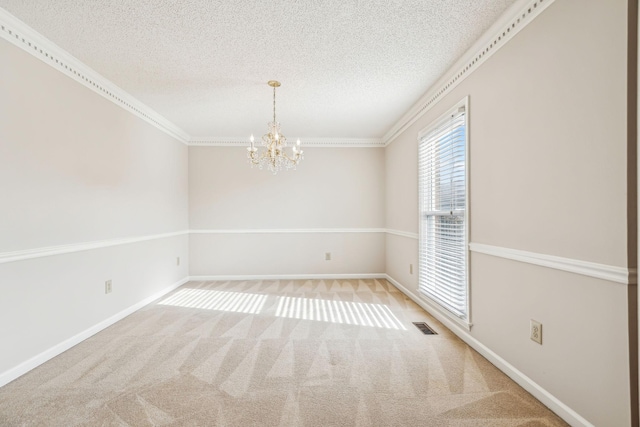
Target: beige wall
75, 168
282, 254
334, 188
548, 175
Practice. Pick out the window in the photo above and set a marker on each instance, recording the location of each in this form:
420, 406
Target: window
443, 240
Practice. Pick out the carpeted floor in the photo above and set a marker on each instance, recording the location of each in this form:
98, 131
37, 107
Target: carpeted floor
272, 353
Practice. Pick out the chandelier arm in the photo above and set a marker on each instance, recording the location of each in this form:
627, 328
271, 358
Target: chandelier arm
294, 160
252, 157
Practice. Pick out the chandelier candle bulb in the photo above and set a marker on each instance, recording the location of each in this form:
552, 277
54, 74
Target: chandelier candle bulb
273, 156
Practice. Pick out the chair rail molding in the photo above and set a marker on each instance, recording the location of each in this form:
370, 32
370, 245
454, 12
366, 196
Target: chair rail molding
401, 233
623, 275
82, 246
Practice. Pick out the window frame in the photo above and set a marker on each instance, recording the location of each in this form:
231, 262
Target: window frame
464, 322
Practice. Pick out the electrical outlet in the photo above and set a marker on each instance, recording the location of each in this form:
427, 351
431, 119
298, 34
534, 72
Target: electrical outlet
107, 287
327, 256
410, 268
178, 261
536, 331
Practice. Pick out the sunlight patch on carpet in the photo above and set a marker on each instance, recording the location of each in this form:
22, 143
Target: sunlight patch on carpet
237, 302
347, 312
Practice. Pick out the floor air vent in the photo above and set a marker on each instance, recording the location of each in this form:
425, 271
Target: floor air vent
426, 329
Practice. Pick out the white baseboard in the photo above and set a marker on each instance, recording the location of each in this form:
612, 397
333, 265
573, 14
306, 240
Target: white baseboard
288, 277
286, 230
549, 400
553, 403
13, 373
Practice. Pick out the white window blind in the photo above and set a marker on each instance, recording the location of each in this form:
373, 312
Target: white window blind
442, 271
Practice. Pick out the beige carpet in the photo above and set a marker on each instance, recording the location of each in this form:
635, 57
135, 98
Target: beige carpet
272, 353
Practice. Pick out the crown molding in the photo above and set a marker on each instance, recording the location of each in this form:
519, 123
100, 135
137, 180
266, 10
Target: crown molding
26, 38
510, 23
517, 17
306, 142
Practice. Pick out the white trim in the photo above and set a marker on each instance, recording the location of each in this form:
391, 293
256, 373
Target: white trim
306, 230
287, 230
446, 117
402, 233
21, 35
431, 307
459, 108
77, 247
600, 271
6, 257
211, 141
517, 17
549, 400
208, 278
24, 367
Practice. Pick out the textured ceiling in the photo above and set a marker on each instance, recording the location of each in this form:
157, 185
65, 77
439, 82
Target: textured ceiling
349, 68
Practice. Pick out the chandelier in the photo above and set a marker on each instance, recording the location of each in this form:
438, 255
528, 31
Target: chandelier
273, 155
